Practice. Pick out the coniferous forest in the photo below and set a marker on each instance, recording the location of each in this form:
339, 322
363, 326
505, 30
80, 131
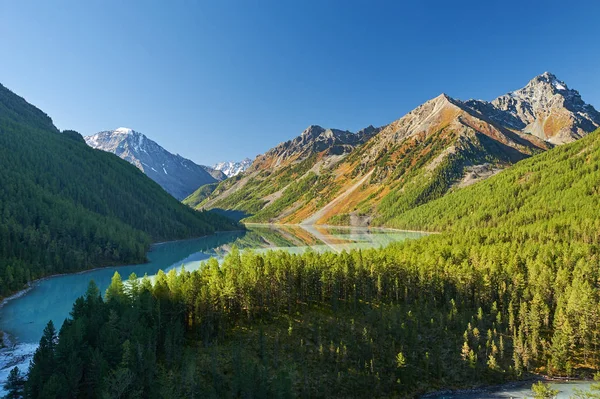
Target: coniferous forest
65, 207
509, 287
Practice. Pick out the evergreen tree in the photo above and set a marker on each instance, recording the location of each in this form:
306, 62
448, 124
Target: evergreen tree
15, 385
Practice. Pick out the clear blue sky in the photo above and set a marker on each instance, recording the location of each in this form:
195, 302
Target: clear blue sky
218, 80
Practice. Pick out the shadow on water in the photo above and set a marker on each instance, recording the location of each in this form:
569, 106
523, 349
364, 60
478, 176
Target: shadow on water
231, 214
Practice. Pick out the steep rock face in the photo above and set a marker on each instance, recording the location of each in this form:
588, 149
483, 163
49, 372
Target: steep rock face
335, 177
177, 175
439, 115
233, 168
545, 108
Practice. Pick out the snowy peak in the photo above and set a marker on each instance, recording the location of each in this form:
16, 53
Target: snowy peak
177, 175
123, 130
232, 168
548, 78
120, 139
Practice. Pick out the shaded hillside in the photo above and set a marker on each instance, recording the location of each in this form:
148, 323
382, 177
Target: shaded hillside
66, 207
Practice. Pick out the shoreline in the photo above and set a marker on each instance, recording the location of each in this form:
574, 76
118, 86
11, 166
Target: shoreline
524, 383
31, 284
331, 226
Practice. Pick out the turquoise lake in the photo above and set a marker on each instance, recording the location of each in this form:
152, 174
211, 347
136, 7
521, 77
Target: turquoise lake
24, 318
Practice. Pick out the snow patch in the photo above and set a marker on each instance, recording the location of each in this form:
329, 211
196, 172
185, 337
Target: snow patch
123, 130
18, 355
230, 168
558, 85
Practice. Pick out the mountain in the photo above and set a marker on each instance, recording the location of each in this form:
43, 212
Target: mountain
295, 161
313, 140
66, 207
232, 168
336, 177
546, 108
177, 175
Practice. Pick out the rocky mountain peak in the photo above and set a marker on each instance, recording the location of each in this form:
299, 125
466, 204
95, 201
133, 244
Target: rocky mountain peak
541, 90
312, 131
546, 107
177, 175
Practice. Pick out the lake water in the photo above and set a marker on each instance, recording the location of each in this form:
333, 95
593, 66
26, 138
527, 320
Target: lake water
25, 317
515, 390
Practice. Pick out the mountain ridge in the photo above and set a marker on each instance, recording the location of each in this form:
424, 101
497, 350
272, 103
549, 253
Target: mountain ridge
179, 176
441, 144
232, 168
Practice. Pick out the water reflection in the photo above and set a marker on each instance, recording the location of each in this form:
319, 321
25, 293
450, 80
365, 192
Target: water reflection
24, 318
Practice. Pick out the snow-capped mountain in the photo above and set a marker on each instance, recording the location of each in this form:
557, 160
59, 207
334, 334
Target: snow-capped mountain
177, 175
233, 168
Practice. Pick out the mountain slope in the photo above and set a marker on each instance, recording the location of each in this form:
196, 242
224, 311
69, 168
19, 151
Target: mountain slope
443, 144
565, 180
232, 168
66, 207
259, 189
177, 175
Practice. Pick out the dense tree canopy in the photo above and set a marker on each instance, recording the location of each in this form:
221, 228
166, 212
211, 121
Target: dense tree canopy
510, 287
66, 207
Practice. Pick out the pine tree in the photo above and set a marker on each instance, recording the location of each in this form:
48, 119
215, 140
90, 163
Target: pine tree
116, 290
14, 385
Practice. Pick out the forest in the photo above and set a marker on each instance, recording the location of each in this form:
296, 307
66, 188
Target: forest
65, 207
509, 288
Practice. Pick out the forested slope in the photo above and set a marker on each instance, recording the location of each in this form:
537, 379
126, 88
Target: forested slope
554, 196
66, 207
510, 288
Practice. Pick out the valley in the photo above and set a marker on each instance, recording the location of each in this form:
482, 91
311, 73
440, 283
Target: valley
310, 199
298, 301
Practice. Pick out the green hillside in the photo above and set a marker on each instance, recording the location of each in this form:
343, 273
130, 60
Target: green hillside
551, 196
509, 288
66, 207
200, 194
